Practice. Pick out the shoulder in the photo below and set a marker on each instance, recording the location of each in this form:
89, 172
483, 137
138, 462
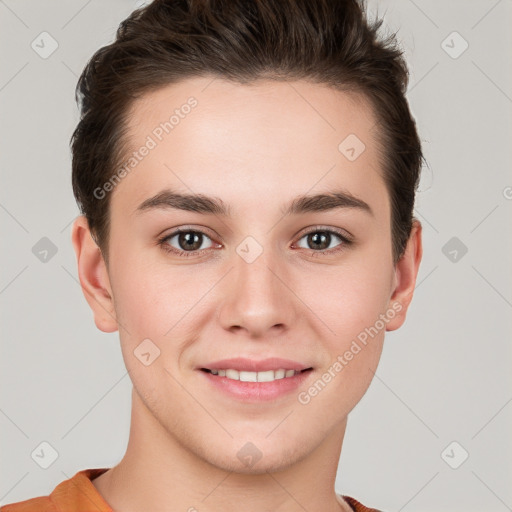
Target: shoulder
76, 493
39, 504
357, 506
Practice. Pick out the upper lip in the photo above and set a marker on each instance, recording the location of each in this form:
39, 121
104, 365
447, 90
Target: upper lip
252, 365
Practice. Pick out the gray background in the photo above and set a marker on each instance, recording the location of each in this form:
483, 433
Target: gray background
444, 376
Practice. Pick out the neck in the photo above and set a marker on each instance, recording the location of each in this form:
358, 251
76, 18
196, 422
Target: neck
158, 473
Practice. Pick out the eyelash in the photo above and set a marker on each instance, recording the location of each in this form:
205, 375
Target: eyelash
346, 242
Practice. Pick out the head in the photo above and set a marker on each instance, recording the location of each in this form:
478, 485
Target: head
327, 42
248, 106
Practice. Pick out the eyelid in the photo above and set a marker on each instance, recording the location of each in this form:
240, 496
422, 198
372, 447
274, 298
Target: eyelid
168, 232
342, 233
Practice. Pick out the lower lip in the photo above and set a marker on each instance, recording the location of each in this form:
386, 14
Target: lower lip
257, 391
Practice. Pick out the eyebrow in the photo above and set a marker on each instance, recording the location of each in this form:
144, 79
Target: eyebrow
201, 203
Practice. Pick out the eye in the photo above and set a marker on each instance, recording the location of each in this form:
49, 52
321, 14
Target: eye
186, 241
191, 242
324, 241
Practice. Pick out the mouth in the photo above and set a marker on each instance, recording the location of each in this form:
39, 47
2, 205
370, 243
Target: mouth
249, 376
251, 380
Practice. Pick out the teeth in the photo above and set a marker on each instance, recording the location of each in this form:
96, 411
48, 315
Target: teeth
248, 376
233, 374
266, 376
279, 374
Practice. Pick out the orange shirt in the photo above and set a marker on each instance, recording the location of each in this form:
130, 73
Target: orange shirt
78, 494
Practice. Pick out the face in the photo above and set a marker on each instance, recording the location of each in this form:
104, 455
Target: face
259, 276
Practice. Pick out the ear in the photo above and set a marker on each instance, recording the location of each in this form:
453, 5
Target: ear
406, 271
93, 275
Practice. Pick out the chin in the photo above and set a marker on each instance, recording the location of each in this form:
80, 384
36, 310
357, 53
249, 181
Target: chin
255, 457
263, 466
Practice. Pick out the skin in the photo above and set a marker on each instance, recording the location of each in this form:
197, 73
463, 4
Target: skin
256, 147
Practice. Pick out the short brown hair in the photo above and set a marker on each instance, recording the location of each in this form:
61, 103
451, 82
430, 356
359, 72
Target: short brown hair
329, 42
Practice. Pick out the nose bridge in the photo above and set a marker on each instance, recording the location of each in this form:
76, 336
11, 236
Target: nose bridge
254, 273
257, 300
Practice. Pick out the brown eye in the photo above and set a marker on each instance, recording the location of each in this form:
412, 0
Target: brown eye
321, 240
188, 241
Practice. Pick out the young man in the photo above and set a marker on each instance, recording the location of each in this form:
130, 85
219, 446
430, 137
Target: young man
247, 173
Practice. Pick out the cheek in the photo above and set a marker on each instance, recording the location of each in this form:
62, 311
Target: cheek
351, 299
151, 306
160, 303
350, 308
151, 299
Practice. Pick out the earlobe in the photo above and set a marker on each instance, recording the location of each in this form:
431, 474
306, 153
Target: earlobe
93, 275
406, 272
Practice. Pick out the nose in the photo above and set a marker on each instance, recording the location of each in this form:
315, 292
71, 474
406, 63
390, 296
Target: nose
257, 297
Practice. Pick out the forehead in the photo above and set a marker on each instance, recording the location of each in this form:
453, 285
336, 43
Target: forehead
210, 135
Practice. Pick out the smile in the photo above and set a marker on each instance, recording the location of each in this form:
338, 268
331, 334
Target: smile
247, 376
